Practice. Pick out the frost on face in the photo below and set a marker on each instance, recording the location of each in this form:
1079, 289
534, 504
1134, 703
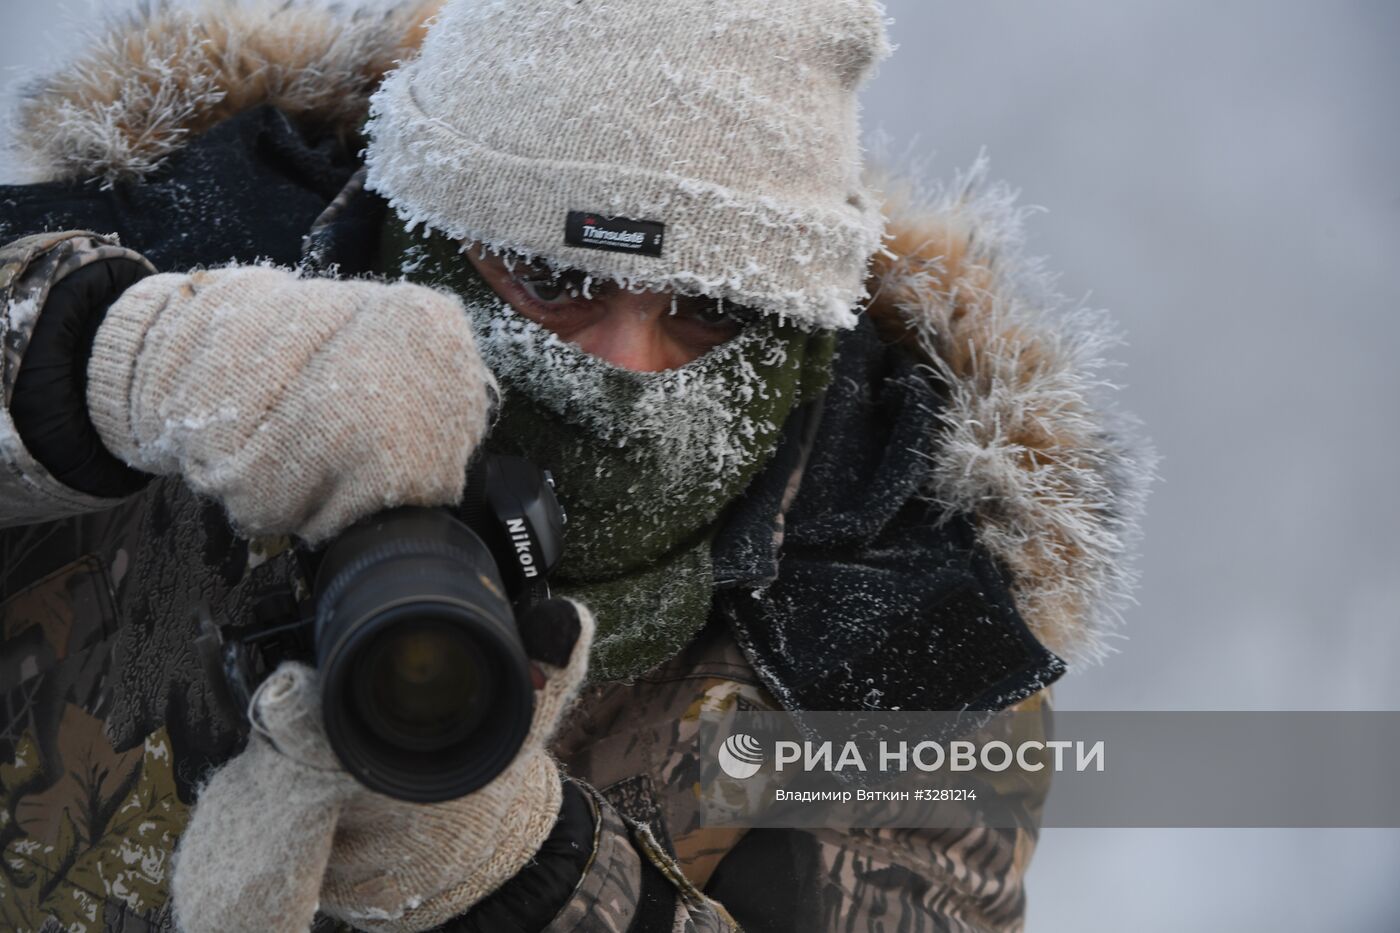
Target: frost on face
688, 422
643, 462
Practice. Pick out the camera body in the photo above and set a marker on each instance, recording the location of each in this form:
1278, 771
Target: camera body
425, 684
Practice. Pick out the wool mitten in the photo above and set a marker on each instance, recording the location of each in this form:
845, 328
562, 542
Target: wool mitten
282, 829
302, 405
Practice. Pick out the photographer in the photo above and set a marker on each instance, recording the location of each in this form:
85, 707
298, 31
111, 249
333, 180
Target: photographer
630, 243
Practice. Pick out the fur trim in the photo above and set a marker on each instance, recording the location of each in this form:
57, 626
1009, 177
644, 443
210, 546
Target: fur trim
151, 78
1056, 478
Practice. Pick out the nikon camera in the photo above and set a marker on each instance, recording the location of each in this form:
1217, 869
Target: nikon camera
412, 623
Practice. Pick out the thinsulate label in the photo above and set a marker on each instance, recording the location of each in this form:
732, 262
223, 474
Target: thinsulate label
616, 234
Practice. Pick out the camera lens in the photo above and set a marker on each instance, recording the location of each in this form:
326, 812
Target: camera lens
423, 684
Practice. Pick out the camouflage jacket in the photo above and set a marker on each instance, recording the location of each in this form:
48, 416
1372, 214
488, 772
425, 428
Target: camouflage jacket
960, 467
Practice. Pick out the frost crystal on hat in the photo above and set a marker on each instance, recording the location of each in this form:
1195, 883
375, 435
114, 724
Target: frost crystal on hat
730, 125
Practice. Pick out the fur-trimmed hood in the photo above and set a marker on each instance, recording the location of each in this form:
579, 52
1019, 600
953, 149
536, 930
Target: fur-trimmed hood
1055, 478
151, 78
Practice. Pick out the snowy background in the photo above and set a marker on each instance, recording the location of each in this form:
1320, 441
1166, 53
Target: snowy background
1225, 177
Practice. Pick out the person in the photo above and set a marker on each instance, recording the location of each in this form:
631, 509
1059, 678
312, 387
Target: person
822, 446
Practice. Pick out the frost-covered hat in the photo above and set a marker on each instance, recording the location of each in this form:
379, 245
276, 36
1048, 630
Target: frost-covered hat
699, 146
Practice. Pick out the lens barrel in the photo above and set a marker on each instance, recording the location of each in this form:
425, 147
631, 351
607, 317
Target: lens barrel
425, 684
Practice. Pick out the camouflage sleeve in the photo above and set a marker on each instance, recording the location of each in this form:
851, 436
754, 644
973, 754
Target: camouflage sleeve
969, 879
29, 269
631, 884
916, 880
921, 880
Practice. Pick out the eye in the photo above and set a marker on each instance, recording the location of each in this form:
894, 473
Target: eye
551, 289
713, 313
546, 290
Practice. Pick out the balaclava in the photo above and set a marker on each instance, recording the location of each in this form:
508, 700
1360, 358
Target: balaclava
702, 148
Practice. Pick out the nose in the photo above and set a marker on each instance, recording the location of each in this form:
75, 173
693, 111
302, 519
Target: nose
631, 334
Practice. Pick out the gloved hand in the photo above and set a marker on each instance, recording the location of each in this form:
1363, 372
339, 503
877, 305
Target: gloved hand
302, 405
281, 828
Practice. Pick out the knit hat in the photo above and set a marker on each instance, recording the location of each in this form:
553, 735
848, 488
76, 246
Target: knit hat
703, 147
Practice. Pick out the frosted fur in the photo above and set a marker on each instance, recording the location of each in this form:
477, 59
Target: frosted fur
739, 135
1055, 477
153, 73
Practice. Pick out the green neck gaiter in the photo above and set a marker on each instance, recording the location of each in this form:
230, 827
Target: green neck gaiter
643, 463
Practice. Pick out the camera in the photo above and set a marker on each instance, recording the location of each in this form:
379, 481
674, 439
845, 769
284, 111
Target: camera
412, 623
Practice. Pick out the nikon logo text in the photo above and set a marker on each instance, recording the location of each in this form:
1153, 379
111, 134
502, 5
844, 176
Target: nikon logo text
520, 537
